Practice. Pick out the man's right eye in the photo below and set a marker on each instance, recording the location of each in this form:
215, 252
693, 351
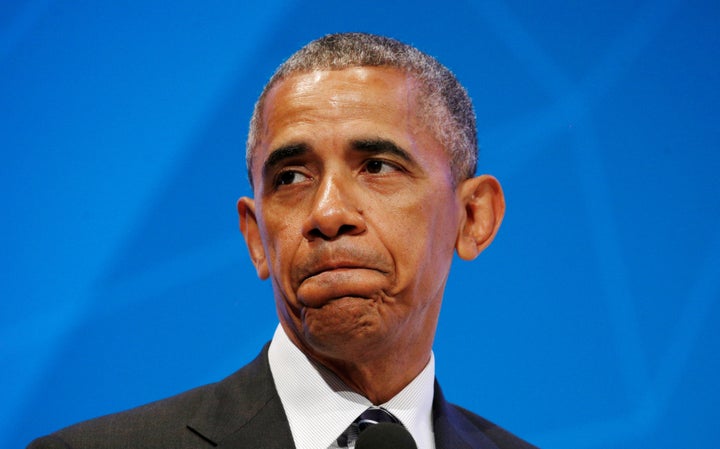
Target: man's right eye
289, 177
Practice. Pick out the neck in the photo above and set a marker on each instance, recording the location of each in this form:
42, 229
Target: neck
377, 370
377, 380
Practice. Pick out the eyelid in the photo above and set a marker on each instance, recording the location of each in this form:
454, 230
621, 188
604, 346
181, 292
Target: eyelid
388, 162
283, 157
285, 170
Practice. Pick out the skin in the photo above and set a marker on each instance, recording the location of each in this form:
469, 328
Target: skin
356, 219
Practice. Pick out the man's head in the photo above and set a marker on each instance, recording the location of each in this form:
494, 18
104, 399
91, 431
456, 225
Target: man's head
357, 213
444, 105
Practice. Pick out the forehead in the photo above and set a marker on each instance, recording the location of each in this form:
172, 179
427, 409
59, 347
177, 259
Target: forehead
333, 97
361, 78
358, 81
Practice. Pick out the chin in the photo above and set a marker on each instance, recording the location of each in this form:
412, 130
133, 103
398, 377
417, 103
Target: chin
344, 327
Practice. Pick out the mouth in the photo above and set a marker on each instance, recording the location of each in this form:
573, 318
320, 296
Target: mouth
333, 267
329, 274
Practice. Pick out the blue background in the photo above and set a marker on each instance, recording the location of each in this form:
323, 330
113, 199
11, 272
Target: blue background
589, 323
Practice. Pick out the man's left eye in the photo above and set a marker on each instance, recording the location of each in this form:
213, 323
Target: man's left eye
376, 167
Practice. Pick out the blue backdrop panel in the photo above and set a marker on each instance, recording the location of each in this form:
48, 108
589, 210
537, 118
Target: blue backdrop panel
589, 323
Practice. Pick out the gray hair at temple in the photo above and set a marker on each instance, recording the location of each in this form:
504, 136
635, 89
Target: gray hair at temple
445, 107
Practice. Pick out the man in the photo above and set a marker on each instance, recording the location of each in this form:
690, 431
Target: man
361, 155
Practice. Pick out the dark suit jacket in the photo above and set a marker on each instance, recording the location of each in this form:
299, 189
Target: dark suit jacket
244, 411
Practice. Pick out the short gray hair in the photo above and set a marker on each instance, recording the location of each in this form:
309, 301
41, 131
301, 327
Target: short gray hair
445, 106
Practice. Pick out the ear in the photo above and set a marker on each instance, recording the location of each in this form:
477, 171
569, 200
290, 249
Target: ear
251, 231
484, 207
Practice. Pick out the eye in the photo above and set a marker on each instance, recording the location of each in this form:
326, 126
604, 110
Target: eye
289, 177
376, 167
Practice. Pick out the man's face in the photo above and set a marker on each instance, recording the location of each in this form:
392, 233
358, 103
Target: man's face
355, 218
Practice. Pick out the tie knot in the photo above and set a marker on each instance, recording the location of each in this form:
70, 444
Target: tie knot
374, 415
369, 417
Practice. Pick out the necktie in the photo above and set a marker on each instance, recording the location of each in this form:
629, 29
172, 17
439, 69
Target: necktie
369, 417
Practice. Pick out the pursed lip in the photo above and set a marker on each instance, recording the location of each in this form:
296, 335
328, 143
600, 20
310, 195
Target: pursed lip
332, 266
330, 258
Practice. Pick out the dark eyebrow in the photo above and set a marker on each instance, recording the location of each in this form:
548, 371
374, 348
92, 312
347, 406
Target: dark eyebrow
278, 155
379, 146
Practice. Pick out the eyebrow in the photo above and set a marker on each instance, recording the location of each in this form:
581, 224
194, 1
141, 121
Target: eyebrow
380, 146
281, 154
370, 146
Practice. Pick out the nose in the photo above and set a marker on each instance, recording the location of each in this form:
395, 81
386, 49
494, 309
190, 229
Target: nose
334, 212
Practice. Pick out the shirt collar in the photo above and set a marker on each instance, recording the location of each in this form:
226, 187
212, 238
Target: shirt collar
319, 406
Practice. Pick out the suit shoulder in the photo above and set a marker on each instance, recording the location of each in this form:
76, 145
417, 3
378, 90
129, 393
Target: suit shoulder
501, 437
156, 424
168, 423
48, 442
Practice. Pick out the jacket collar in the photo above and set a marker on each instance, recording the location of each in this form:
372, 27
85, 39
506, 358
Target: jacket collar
453, 430
243, 409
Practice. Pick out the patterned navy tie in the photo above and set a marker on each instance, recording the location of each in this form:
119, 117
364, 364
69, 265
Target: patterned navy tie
369, 417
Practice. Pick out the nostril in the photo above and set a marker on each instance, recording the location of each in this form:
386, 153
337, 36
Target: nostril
317, 233
346, 229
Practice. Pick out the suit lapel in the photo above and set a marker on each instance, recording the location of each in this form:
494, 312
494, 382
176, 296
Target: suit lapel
453, 430
244, 409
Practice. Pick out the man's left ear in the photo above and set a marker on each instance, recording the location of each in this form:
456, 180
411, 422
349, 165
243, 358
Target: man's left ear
484, 207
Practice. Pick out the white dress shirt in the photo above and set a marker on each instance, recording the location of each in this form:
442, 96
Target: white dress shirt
320, 407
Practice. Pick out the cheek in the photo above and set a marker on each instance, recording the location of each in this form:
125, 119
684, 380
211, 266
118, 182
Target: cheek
431, 215
280, 240
419, 232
